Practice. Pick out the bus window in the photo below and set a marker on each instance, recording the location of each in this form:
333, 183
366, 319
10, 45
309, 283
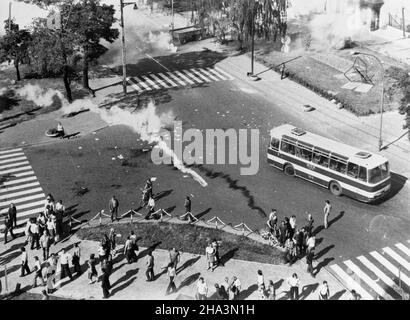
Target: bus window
385, 170
274, 144
363, 174
375, 175
353, 170
288, 148
338, 166
321, 160
304, 153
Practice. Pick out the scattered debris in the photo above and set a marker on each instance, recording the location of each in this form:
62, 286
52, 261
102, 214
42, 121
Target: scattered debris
80, 147
120, 157
308, 108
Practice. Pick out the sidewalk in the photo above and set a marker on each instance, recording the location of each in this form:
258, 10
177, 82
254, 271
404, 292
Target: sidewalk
129, 281
327, 119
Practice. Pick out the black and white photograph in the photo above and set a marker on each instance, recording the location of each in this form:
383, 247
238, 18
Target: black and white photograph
203, 156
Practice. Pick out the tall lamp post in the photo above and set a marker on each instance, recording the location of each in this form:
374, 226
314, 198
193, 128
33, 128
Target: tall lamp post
251, 74
124, 64
381, 97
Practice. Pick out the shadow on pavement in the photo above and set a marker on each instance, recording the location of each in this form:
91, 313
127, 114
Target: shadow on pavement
323, 252
125, 277
322, 264
246, 293
201, 214
187, 264
228, 256
338, 295
189, 280
123, 286
307, 290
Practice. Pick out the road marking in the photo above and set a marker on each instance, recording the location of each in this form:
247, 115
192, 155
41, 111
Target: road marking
134, 85
12, 155
23, 174
27, 205
162, 83
23, 186
216, 73
209, 75
403, 248
15, 170
224, 73
152, 83
378, 273
390, 267
142, 83
13, 160
20, 193
379, 290
176, 78
350, 282
157, 61
36, 196
11, 182
169, 80
200, 75
15, 164
25, 213
184, 77
192, 76
397, 257
10, 151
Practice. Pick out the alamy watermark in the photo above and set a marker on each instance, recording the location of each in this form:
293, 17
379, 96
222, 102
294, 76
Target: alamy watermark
209, 146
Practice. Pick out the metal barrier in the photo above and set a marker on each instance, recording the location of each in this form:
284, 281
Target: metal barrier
191, 217
216, 219
242, 226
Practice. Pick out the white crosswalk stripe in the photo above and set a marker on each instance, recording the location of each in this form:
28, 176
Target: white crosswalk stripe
177, 78
20, 186
377, 273
403, 248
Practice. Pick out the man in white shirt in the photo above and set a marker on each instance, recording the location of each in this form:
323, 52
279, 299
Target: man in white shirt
59, 207
202, 289
311, 243
35, 236
237, 284
64, 260
324, 291
151, 208
294, 287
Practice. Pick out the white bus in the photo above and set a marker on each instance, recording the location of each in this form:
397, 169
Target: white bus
340, 168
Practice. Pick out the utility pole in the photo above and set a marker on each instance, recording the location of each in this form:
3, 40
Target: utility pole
404, 23
9, 16
381, 96
124, 63
124, 68
172, 17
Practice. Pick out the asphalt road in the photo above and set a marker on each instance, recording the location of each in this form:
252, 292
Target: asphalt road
92, 162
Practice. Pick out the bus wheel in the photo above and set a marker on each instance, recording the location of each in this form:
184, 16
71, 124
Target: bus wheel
335, 188
289, 170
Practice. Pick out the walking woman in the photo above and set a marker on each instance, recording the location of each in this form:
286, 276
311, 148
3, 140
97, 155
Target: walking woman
171, 273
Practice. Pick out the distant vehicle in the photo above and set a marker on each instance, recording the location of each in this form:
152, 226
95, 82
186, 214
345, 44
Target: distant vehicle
183, 35
342, 169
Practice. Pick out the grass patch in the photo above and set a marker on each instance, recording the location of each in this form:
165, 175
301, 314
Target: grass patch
190, 238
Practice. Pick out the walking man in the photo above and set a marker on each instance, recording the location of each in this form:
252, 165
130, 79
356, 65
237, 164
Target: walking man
326, 210
210, 256
8, 223
105, 284
35, 236
172, 274
113, 205
76, 259
310, 243
150, 267
13, 214
324, 292
294, 287
202, 289
24, 262
45, 241
64, 259
38, 273
309, 262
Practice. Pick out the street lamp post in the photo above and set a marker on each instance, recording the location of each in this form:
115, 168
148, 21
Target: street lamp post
381, 97
124, 63
251, 74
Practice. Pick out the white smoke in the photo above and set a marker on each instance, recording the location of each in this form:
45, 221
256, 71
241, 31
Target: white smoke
41, 97
146, 123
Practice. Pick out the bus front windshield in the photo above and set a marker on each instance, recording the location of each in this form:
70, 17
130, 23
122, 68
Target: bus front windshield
379, 173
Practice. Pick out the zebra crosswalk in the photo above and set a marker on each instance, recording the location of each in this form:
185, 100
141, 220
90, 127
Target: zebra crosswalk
177, 78
19, 185
383, 273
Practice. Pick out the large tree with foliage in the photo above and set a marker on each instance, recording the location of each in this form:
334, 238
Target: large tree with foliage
89, 21
13, 46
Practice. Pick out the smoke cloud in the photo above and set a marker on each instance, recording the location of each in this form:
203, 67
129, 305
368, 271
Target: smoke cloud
146, 123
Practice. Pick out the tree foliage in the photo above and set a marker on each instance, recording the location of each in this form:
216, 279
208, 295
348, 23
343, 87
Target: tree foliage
14, 45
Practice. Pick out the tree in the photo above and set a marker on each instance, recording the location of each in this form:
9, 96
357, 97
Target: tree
13, 46
88, 22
